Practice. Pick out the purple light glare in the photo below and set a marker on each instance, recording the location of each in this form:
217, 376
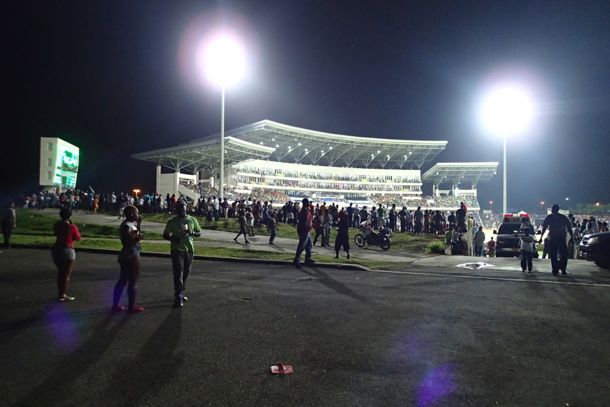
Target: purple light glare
61, 327
436, 384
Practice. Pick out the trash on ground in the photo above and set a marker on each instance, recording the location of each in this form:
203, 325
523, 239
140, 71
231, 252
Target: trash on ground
475, 266
281, 369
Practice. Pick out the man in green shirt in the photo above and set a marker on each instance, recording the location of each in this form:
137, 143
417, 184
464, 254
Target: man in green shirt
180, 230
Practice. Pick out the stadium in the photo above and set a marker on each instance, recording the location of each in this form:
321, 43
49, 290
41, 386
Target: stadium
278, 161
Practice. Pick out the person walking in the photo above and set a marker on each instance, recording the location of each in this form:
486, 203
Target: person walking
62, 251
9, 222
243, 228
272, 226
326, 226
129, 260
180, 231
558, 225
527, 244
342, 238
304, 225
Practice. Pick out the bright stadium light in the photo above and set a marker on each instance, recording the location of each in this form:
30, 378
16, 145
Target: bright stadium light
506, 110
222, 58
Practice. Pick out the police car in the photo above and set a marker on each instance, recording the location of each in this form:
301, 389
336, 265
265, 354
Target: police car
507, 241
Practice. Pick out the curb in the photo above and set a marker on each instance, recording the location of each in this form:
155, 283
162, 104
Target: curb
358, 267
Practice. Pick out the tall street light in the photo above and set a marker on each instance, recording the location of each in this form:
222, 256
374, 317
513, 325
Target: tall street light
506, 110
222, 59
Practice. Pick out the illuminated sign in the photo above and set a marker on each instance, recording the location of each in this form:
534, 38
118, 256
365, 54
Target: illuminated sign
59, 163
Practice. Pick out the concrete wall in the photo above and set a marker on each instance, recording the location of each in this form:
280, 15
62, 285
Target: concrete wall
169, 183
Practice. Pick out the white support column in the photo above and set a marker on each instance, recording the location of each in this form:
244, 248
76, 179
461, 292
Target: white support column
158, 179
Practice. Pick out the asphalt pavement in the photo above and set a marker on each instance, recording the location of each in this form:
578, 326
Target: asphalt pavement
426, 334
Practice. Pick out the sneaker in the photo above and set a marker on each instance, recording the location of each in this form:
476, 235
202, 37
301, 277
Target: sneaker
298, 265
555, 272
563, 272
185, 298
523, 271
178, 304
66, 298
118, 308
309, 262
134, 309
529, 271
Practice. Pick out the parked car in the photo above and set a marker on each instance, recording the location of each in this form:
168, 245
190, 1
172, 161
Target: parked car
595, 247
507, 241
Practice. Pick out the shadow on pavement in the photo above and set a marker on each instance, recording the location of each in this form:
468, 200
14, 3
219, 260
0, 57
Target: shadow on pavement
154, 366
327, 281
58, 387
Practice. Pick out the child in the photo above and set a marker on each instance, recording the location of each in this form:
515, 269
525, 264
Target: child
527, 244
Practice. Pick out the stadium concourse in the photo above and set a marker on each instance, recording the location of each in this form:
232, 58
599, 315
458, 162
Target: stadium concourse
266, 160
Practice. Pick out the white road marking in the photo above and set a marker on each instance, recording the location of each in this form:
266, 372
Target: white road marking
417, 273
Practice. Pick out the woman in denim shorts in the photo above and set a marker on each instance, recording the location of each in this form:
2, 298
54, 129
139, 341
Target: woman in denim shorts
62, 251
129, 259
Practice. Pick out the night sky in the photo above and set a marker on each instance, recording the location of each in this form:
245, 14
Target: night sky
107, 77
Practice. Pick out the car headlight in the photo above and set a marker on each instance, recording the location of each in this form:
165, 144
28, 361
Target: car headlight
593, 240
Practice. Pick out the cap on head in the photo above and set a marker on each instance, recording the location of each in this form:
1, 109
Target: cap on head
555, 208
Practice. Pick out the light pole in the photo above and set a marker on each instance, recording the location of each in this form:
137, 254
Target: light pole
221, 189
222, 59
506, 110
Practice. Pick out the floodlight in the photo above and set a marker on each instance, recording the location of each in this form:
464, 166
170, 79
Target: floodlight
222, 59
506, 109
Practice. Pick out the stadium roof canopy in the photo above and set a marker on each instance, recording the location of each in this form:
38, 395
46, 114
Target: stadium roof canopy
457, 173
267, 139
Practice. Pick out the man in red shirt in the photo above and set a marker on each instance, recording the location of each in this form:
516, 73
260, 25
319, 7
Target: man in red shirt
304, 225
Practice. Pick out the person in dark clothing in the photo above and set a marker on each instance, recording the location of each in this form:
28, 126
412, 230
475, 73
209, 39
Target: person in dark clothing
180, 231
419, 217
342, 239
243, 229
129, 259
558, 225
319, 229
304, 225
460, 215
272, 226
451, 220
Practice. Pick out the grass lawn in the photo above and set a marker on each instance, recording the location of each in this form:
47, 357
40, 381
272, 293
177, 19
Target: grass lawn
30, 222
35, 229
152, 246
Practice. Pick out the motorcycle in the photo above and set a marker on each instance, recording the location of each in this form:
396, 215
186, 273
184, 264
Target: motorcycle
381, 238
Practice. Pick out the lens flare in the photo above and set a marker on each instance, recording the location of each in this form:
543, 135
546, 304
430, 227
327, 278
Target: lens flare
506, 109
436, 384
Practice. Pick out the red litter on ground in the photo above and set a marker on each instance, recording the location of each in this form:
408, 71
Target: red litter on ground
281, 369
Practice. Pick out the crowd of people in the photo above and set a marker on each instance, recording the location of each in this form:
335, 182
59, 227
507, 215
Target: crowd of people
286, 173
461, 232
